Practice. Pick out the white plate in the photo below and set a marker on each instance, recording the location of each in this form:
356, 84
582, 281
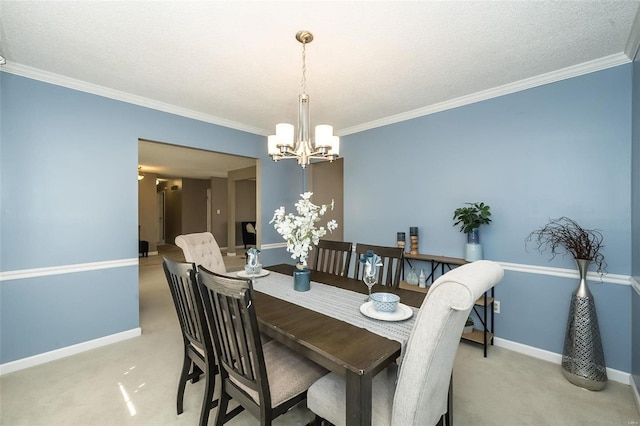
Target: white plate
243, 274
402, 313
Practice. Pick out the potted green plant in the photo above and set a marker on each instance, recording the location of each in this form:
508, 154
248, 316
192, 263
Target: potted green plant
468, 326
470, 218
583, 361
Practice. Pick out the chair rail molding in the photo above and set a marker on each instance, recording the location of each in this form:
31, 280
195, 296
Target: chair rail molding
66, 269
516, 267
568, 273
635, 284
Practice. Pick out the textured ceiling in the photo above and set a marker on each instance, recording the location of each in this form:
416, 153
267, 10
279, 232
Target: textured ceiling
167, 160
238, 64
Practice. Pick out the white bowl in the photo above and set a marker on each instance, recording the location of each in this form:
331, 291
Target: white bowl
385, 302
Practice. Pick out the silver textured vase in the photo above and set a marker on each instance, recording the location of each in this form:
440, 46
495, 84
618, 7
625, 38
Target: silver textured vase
583, 358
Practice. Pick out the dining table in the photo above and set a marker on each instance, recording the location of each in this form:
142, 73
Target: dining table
352, 351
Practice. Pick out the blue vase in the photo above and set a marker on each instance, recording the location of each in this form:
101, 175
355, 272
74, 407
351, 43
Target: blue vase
301, 279
473, 250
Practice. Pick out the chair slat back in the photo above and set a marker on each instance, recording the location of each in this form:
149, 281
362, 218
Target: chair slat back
389, 272
333, 257
188, 304
229, 307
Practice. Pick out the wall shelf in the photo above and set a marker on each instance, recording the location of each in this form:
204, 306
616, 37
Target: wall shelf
483, 306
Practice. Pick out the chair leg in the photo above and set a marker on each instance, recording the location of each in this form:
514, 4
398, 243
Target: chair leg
195, 374
184, 376
207, 402
222, 408
317, 421
449, 413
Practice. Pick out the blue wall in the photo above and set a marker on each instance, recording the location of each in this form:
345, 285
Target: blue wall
561, 149
69, 196
635, 208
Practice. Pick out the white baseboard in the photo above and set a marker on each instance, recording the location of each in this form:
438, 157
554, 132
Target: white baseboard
612, 374
636, 395
20, 364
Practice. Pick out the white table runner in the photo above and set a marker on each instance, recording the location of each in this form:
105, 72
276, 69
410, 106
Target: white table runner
334, 302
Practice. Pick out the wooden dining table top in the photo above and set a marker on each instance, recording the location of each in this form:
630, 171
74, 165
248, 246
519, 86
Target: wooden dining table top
350, 351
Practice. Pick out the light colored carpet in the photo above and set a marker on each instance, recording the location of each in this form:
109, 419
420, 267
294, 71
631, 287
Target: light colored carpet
134, 382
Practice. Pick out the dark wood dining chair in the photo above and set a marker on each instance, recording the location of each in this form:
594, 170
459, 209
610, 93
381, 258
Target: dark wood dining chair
418, 391
389, 272
199, 353
267, 380
333, 257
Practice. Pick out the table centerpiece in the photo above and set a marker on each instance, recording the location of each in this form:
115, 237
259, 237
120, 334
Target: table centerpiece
301, 234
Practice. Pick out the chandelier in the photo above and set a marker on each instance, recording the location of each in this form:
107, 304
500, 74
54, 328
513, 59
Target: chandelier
281, 145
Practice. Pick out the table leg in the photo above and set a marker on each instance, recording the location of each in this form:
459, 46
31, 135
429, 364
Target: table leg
358, 399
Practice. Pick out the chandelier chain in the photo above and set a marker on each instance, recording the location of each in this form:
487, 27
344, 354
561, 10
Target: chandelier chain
303, 83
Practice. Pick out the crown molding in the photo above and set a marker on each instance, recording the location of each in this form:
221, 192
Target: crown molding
94, 89
528, 83
574, 71
633, 42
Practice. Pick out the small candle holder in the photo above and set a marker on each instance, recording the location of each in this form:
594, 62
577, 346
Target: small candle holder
413, 240
401, 240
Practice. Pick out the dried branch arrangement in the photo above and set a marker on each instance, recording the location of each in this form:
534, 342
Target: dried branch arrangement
564, 235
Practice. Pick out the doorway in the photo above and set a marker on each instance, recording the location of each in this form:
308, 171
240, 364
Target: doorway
161, 213
326, 181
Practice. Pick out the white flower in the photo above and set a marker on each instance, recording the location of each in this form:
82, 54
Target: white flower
300, 231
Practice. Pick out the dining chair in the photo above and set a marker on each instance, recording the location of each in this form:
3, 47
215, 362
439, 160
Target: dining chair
249, 234
415, 393
202, 249
333, 257
266, 379
389, 272
199, 355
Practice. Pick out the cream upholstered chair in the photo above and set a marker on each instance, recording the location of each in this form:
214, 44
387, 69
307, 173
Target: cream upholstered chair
416, 392
203, 250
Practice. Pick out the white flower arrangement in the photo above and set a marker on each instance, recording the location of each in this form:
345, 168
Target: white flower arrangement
300, 231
